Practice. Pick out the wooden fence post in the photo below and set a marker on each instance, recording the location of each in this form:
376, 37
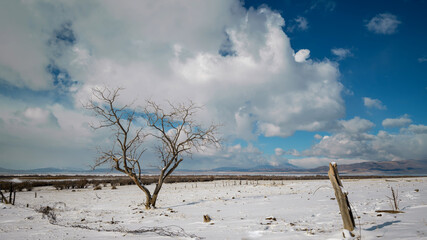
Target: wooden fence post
343, 203
3, 198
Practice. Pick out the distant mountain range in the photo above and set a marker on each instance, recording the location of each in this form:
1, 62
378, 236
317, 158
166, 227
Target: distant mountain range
388, 167
407, 167
260, 168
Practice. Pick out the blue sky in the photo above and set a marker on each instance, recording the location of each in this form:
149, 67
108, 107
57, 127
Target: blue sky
292, 82
389, 67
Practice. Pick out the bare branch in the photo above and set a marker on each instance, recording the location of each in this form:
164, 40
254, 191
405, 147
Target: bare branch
175, 128
129, 139
178, 133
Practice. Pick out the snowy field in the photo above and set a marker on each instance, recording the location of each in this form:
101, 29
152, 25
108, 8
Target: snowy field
239, 210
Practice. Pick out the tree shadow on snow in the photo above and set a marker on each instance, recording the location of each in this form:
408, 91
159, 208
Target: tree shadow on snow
188, 204
382, 225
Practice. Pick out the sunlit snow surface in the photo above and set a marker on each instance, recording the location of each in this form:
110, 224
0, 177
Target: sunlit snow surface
240, 210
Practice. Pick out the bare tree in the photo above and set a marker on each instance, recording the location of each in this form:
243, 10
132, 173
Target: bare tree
179, 135
126, 151
176, 129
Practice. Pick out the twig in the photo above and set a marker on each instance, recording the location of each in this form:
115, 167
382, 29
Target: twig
170, 231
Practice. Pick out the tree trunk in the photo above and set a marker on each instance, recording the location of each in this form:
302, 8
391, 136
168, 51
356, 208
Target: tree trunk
153, 200
148, 197
343, 203
147, 201
156, 193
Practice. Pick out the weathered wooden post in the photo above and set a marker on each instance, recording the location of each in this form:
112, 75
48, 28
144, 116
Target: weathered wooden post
14, 196
341, 196
3, 198
10, 192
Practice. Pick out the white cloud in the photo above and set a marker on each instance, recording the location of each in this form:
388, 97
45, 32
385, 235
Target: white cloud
262, 88
279, 151
396, 122
45, 136
373, 103
422, 59
355, 125
38, 116
383, 23
302, 23
357, 145
278, 96
302, 55
293, 152
318, 136
230, 156
22, 48
341, 53
244, 124
416, 129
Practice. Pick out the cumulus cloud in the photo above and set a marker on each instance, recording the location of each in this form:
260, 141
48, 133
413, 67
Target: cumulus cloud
373, 103
416, 129
251, 82
22, 48
396, 122
45, 136
302, 55
231, 156
318, 136
241, 65
355, 144
355, 125
383, 23
341, 53
39, 116
244, 124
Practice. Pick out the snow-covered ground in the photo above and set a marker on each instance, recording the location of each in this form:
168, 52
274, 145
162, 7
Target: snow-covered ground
239, 210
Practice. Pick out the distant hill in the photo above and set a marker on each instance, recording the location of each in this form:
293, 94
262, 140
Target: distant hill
260, 168
387, 167
406, 167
